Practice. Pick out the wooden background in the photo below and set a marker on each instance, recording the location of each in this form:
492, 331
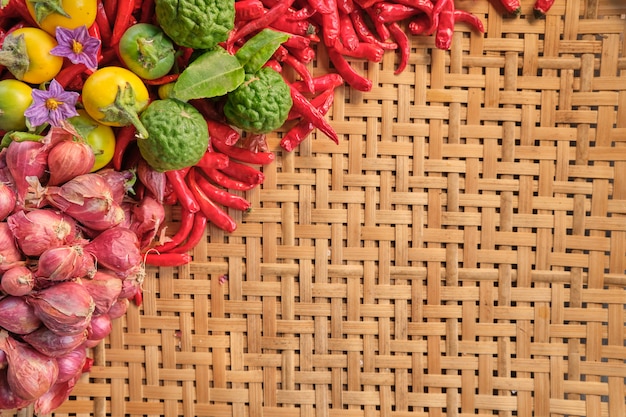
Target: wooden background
461, 252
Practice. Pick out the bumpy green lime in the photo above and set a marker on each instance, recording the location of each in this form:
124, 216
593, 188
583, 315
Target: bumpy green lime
261, 104
198, 24
177, 135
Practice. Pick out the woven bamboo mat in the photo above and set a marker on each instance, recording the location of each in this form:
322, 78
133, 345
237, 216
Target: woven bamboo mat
461, 252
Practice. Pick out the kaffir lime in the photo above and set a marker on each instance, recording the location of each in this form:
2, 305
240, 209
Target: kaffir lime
177, 135
261, 104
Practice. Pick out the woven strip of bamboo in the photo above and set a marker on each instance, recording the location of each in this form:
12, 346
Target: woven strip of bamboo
461, 252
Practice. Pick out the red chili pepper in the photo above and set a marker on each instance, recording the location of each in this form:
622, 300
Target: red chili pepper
301, 69
296, 27
512, 6
184, 229
196, 235
366, 3
185, 197
18, 9
244, 173
542, 7
248, 9
262, 22
345, 6
391, 12
241, 154
274, 64
347, 34
167, 259
138, 297
125, 135
212, 211
213, 160
147, 11
420, 25
297, 41
330, 24
225, 181
299, 132
110, 7
445, 25
403, 41
304, 107
321, 82
102, 20
425, 6
317, 102
305, 55
364, 50
69, 73
223, 132
349, 74
469, 18
303, 13
168, 78
364, 32
122, 19
379, 25
321, 6
221, 196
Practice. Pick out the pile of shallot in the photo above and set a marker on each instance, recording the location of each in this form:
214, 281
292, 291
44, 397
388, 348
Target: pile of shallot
71, 259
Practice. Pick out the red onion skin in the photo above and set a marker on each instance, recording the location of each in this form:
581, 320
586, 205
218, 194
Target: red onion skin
147, 220
104, 289
88, 199
17, 281
8, 399
29, 373
65, 308
71, 364
68, 159
26, 159
52, 399
100, 327
50, 344
17, 316
8, 199
64, 263
41, 229
116, 249
119, 181
10, 254
154, 181
119, 308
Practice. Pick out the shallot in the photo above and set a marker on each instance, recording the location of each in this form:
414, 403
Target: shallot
41, 229
63, 263
7, 200
61, 313
29, 373
71, 363
17, 316
89, 200
53, 345
10, 254
116, 249
104, 289
26, 159
68, 159
17, 281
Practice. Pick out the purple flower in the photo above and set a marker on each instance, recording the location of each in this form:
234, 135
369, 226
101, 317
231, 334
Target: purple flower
52, 106
77, 45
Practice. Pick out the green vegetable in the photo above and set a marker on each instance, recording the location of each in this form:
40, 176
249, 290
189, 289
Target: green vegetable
212, 74
261, 104
146, 51
178, 135
259, 49
198, 24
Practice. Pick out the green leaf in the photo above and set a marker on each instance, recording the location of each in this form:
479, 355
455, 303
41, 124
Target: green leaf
212, 74
259, 49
